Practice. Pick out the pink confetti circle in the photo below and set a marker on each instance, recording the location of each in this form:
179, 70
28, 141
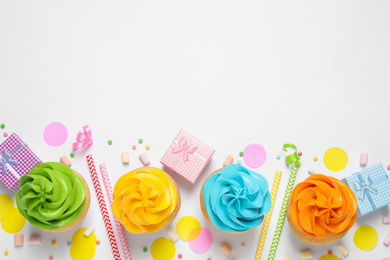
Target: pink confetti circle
203, 242
387, 258
55, 134
254, 155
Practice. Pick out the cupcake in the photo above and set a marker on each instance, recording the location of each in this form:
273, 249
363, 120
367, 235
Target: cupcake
321, 210
145, 200
53, 197
235, 199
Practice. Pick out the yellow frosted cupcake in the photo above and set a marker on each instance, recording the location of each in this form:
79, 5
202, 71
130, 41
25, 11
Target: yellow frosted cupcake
146, 200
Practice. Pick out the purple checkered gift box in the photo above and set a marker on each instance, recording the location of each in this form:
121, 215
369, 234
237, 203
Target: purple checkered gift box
16, 159
187, 156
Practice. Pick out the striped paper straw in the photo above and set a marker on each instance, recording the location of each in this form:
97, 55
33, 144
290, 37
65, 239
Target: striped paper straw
103, 207
119, 227
267, 218
290, 159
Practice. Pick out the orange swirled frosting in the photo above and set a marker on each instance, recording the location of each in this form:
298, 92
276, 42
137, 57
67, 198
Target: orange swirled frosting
323, 206
144, 200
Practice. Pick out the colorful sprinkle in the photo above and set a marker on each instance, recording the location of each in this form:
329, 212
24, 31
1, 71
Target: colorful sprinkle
147, 147
315, 158
278, 156
300, 153
140, 141
51, 258
241, 154
145, 249
5, 134
180, 256
2, 126
109, 142
53, 243
239, 161
72, 155
69, 243
6, 252
330, 252
209, 258
97, 242
388, 167
242, 245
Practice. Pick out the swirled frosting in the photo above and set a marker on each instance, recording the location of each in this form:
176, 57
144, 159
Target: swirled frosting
51, 196
144, 200
236, 198
323, 206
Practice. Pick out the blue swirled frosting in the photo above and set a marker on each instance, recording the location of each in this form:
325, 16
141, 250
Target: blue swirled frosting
236, 198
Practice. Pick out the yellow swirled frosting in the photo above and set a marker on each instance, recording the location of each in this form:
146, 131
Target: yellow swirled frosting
144, 200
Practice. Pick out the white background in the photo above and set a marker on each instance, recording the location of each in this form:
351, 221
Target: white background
313, 73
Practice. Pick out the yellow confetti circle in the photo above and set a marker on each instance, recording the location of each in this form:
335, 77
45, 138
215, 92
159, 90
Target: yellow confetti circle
14, 223
163, 249
335, 159
329, 257
83, 247
188, 228
6, 203
365, 238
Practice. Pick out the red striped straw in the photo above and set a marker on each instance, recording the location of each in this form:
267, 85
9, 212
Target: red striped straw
103, 207
119, 227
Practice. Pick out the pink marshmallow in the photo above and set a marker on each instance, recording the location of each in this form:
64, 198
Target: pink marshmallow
386, 219
65, 160
35, 240
363, 159
387, 240
144, 159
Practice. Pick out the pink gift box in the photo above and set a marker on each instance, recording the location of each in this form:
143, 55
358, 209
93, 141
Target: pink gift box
16, 160
187, 156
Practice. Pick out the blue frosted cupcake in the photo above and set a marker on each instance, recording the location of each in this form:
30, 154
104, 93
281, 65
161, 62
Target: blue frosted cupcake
235, 199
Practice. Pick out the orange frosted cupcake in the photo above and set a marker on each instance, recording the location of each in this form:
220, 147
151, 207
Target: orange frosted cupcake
321, 210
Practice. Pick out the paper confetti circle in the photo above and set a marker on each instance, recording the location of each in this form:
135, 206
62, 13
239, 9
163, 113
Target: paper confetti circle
203, 242
254, 155
329, 257
188, 228
6, 203
163, 249
55, 134
82, 246
365, 238
335, 159
14, 223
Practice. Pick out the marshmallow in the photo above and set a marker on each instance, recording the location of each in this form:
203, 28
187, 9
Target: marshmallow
18, 240
226, 249
229, 160
125, 158
313, 170
144, 159
386, 219
363, 159
387, 240
65, 160
88, 231
35, 240
343, 249
286, 258
173, 235
306, 254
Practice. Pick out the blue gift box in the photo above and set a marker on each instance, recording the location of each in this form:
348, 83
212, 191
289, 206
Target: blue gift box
371, 187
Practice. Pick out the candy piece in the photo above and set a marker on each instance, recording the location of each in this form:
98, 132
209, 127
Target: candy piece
72, 155
109, 142
35, 240
18, 240
97, 242
145, 249
239, 162
386, 219
300, 153
144, 159
140, 141
173, 235
2, 126
65, 160
5, 134
125, 158
226, 249
229, 160
242, 245
315, 158
388, 167
147, 147
278, 156
134, 147
286, 258
241, 154
387, 240
88, 231
6, 252
51, 258
313, 170
306, 254
363, 159
343, 249
53, 242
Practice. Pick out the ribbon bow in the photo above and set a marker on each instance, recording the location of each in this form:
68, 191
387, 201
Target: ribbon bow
185, 147
363, 186
6, 158
83, 139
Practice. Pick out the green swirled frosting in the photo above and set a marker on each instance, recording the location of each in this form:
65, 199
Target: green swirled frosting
51, 196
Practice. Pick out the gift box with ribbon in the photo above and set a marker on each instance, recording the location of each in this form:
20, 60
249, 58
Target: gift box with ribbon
16, 160
187, 156
371, 188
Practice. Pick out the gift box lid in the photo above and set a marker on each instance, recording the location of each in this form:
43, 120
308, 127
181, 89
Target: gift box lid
371, 187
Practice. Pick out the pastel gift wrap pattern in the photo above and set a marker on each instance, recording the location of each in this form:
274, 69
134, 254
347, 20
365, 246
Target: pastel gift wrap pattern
16, 160
187, 156
371, 187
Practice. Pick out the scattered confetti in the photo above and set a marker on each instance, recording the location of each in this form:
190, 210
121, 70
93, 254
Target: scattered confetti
109, 142
6, 252
365, 238
147, 147
254, 155
53, 242
239, 162
83, 247
241, 154
203, 242
71, 155
5, 134
300, 153
188, 228
55, 134
134, 147
278, 156
2, 126
145, 249
335, 159
315, 158
163, 249
14, 223
140, 141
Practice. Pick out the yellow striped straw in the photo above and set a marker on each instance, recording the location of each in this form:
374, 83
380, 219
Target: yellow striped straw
267, 217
